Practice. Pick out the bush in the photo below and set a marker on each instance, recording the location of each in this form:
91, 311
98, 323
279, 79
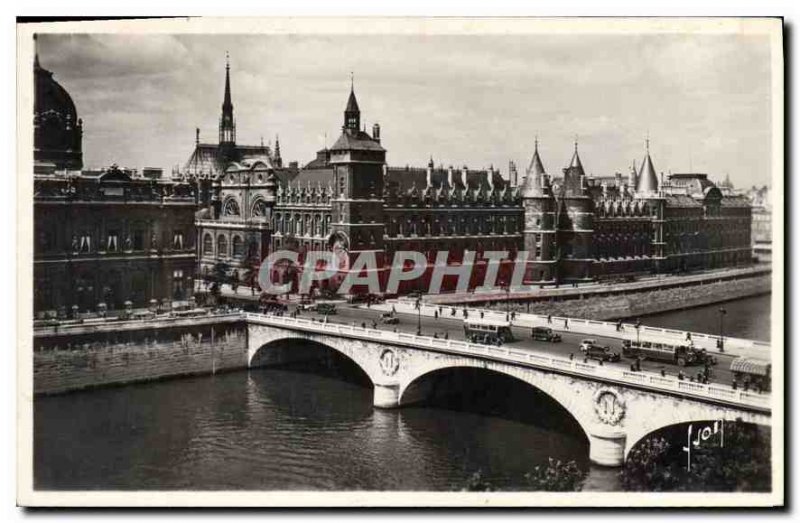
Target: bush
557, 476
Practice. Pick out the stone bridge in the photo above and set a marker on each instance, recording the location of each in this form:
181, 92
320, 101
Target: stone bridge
614, 407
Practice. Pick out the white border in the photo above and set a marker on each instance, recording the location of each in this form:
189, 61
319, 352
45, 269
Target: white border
24, 104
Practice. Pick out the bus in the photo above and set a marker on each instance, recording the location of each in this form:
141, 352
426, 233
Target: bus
488, 332
682, 355
752, 372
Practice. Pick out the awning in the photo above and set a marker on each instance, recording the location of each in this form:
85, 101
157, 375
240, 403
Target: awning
751, 366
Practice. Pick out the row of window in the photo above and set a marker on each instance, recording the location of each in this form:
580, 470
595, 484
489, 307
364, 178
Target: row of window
113, 241
236, 244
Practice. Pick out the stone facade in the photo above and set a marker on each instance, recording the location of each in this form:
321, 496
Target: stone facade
572, 227
110, 237
130, 352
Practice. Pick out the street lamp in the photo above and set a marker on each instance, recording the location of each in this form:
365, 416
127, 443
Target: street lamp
419, 315
638, 326
721, 341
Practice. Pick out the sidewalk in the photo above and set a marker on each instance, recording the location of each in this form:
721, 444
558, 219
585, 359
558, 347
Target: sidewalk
644, 283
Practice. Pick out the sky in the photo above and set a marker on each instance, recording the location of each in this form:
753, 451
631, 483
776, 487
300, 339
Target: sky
703, 100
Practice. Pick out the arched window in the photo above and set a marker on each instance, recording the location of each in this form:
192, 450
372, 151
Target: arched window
208, 244
238, 246
222, 246
259, 208
230, 208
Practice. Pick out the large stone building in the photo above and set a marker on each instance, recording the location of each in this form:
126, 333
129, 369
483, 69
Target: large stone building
573, 227
102, 238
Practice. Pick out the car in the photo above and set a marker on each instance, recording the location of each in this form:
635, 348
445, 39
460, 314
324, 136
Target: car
308, 306
545, 334
389, 319
596, 352
587, 343
326, 308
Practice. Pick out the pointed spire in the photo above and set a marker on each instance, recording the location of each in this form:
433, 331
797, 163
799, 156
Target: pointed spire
227, 125
352, 114
227, 100
576, 160
535, 177
648, 180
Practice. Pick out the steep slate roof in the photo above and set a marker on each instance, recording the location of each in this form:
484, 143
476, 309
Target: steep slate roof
532, 185
356, 141
648, 181
205, 157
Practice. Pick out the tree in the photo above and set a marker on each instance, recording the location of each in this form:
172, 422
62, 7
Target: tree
556, 476
658, 463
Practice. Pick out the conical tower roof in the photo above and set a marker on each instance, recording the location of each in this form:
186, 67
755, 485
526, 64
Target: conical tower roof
533, 187
352, 104
575, 165
648, 181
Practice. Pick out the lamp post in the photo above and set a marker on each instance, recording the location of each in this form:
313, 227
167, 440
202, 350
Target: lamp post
721, 343
638, 326
419, 315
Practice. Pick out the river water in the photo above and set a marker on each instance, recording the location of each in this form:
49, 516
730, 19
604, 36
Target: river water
274, 429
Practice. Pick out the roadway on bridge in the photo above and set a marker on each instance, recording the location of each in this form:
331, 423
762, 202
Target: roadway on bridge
454, 328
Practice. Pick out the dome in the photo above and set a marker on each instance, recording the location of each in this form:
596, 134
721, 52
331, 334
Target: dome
58, 132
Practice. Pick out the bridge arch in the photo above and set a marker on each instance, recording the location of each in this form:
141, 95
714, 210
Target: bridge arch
547, 408
692, 413
572, 400
297, 349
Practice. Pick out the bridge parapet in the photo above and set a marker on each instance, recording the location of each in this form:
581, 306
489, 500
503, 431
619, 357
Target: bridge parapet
642, 379
735, 346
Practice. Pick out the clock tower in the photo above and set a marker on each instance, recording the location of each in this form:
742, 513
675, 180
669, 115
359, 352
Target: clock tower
358, 162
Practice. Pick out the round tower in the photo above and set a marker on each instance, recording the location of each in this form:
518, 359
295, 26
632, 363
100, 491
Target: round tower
539, 234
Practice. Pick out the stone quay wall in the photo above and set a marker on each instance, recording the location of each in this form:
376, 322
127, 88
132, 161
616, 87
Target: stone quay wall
645, 302
80, 357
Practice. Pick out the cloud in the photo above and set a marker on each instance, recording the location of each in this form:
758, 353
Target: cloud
477, 100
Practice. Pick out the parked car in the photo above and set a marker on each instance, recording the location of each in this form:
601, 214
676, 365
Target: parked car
588, 342
545, 334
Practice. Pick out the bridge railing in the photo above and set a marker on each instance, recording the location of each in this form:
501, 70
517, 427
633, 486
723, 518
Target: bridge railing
735, 346
646, 379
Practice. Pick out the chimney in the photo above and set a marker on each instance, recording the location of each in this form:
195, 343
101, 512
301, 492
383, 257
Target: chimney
376, 132
197, 136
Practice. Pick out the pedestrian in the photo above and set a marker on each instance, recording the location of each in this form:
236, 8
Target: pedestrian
734, 384
447, 335
363, 325
566, 324
394, 311
571, 356
481, 314
688, 336
680, 375
633, 367
435, 337
549, 318
453, 311
435, 315
663, 374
